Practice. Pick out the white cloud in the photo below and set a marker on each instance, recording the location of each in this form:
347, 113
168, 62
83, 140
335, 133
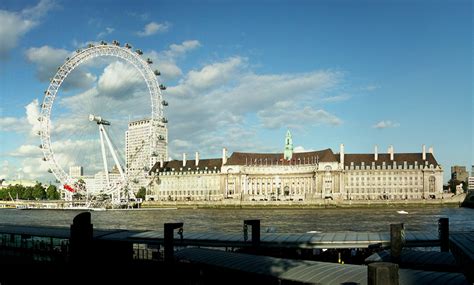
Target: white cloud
337, 98
370, 88
107, 31
14, 124
14, 25
385, 125
177, 50
166, 60
287, 113
119, 79
299, 148
222, 104
27, 124
7, 170
210, 105
32, 115
27, 150
153, 28
48, 60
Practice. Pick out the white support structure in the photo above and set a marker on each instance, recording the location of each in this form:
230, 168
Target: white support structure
104, 157
114, 154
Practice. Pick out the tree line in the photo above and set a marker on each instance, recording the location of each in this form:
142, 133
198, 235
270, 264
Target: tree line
37, 192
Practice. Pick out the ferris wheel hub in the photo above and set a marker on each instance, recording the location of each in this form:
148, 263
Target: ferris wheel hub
99, 120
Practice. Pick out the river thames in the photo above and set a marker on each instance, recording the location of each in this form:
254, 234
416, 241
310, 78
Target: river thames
278, 220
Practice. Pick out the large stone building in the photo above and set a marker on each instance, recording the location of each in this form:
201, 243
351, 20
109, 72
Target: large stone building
305, 176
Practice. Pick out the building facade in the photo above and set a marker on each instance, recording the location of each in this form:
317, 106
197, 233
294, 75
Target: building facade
146, 143
76, 171
459, 173
306, 176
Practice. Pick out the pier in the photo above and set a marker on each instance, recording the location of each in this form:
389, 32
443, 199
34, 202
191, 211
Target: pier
249, 253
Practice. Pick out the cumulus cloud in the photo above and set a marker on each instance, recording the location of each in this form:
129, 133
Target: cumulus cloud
287, 113
32, 115
177, 50
14, 124
221, 104
299, 148
48, 60
385, 125
14, 25
336, 98
211, 105
28, 124
153, 28
167, 60
119, 79
107, 31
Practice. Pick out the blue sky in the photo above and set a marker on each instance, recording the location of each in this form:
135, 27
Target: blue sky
240, 73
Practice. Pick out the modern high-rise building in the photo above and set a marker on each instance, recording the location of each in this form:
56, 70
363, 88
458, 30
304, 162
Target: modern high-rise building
146, 143
459, 173
76, 171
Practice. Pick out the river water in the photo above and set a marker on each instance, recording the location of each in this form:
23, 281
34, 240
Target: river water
278, 220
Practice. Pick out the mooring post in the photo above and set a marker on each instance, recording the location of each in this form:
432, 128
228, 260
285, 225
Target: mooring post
397, 238
382, 273
80, 239
255, 224
443, 233
168, 240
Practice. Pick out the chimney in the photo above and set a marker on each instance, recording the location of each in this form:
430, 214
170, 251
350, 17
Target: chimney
184, 159
341, 154
197, 158
224, 156
424, 152
376, 154
390, 150
430, 150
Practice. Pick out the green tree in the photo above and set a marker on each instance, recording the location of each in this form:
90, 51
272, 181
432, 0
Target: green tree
38, 192
52, 193
141, 193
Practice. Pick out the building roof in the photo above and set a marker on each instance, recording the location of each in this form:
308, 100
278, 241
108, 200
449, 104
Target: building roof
399, 158
213, 163
311, 157
250, 158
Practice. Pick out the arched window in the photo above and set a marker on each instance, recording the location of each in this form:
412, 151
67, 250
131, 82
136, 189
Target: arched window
432, 184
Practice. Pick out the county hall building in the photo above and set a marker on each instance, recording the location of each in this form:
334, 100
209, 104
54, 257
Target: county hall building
302, 176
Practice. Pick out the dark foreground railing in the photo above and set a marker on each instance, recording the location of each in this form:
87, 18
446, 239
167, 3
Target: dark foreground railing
83, 247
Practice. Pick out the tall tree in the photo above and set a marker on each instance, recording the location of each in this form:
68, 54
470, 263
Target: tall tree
141, 193
52, 193
38, 192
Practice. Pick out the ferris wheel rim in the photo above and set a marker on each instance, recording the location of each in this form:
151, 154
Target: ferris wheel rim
81, 56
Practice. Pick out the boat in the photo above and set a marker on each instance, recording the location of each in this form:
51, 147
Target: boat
85, 208
402, 212
22, 207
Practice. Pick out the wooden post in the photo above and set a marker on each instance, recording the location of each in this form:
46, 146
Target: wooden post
396, 241
255, 224
80, 239
382, 273
168, 240
443, 233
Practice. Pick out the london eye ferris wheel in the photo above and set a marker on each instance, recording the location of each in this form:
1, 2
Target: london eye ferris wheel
88, 127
